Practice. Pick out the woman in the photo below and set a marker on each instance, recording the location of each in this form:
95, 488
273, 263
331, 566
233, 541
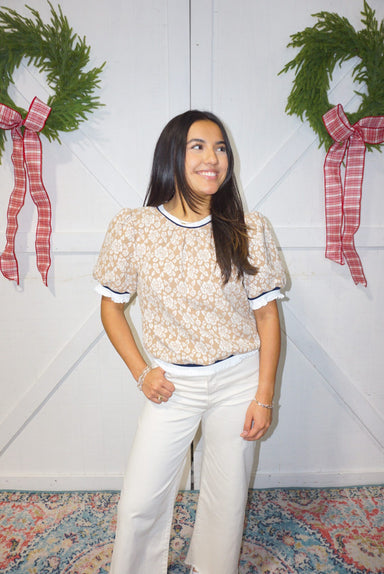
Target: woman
207, 281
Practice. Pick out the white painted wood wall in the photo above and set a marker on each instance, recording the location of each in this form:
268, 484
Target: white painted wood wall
68, 406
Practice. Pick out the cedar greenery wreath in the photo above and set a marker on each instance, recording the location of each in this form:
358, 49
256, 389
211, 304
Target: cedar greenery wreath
330, 41
55, 50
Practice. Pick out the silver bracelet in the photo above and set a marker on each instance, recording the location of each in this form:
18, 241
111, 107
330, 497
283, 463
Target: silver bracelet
140, 380
262, 405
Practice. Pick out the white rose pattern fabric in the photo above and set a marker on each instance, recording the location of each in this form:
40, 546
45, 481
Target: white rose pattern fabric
189, 316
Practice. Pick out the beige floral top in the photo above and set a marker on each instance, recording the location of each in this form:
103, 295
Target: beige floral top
189, 316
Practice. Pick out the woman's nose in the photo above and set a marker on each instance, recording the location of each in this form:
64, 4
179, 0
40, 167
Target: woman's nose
210, 155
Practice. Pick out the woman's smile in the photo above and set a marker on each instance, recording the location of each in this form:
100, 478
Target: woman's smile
208, 174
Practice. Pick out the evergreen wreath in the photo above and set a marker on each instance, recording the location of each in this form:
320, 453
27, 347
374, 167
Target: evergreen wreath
330, 41
62, 55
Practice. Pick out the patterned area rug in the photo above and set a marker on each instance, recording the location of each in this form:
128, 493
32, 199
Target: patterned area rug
298, 531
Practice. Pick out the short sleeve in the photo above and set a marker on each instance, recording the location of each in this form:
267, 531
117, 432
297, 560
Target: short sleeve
266, 285
115, 269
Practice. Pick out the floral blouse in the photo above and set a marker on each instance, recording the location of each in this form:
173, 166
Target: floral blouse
189, 316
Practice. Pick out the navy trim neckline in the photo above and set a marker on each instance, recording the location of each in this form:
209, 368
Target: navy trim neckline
187, 224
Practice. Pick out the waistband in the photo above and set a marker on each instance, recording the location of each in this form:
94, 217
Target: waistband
202, 370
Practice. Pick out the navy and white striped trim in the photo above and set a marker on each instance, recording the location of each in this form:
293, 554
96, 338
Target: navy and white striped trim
180, 223
264, 298
114, 295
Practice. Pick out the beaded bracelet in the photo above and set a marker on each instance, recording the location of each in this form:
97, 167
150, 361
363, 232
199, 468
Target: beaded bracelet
262, 405
140, 380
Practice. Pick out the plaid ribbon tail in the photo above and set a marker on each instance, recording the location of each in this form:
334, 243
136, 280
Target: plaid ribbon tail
27, 161
34, 123
8, 262
334, 202
354, 174
10, 119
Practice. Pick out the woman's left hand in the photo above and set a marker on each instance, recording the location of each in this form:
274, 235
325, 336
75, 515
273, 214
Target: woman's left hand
257, 421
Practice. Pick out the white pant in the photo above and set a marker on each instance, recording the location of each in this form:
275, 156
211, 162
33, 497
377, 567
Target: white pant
163, 437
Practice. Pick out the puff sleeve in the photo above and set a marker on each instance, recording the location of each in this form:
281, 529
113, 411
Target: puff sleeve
115, 269
265, 286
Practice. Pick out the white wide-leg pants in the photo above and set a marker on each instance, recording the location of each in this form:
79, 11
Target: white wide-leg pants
163, 437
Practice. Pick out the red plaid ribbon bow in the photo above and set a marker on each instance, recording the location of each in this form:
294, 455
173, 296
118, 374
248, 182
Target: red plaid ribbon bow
27, 161
342, 207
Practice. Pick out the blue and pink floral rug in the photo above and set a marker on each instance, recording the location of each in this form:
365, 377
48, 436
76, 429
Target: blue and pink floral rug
298, 531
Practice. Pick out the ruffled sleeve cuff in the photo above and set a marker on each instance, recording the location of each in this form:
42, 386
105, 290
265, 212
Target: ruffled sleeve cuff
114, 295
264, 298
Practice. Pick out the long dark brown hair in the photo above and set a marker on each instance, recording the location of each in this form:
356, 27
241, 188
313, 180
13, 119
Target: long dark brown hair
168, 175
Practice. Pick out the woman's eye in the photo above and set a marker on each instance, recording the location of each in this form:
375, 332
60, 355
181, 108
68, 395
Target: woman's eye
197, 146
222, 148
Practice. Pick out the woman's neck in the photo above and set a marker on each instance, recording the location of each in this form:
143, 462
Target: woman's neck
182, 211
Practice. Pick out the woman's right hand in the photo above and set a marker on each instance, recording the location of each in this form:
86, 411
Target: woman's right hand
156, 387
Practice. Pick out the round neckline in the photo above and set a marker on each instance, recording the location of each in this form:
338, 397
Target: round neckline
182, 223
